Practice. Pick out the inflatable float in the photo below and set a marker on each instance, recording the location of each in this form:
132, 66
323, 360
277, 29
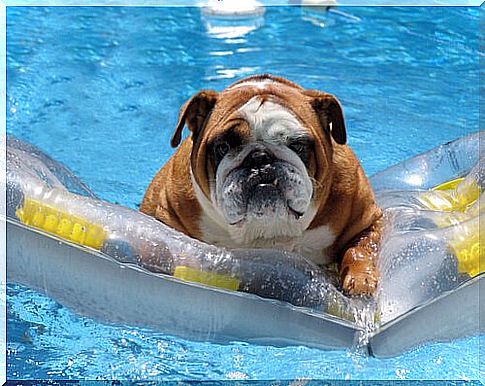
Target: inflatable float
117, 265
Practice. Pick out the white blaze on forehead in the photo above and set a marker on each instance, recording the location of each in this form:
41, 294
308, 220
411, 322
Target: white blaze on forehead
261, 84
270, 121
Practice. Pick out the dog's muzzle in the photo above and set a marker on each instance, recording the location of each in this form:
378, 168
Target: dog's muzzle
263, 185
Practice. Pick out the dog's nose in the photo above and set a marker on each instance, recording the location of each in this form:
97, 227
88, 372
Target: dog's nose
258, 158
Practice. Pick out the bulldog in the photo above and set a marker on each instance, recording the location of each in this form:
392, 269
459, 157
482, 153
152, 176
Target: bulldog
267, 166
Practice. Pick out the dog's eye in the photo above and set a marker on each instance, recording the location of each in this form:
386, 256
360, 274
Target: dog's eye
298, 147
221, 150
302, 147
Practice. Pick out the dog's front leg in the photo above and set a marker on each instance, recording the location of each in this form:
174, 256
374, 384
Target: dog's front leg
358, 269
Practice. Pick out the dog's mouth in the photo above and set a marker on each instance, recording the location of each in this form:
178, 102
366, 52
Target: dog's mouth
262, 192
266, 175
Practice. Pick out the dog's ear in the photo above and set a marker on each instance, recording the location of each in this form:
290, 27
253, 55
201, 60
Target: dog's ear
329, 113
194, 113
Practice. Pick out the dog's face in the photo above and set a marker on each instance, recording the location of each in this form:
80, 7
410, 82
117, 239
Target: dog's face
261, 154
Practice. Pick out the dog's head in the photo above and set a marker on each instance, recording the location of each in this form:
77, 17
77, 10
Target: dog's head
261, 154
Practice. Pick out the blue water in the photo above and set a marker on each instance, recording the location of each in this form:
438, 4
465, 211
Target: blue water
99, 89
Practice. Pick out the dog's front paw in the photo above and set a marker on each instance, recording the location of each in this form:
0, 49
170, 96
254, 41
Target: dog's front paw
359, 276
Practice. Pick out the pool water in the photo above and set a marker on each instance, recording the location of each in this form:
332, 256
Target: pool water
99, 89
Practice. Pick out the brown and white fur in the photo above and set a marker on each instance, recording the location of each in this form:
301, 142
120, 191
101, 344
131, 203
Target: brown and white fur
267, 166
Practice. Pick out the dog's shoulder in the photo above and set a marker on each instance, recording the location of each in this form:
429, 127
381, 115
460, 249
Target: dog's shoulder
170, 197
350, 207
